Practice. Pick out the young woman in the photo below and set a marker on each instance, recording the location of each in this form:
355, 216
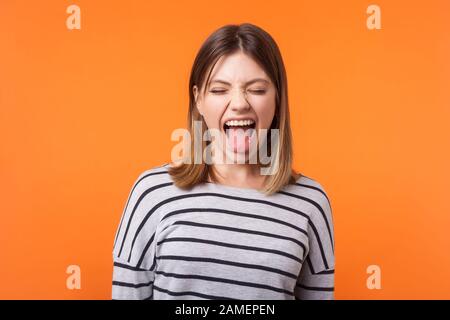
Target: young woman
227, 229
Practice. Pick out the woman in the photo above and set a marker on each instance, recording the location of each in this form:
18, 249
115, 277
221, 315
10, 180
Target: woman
229, 230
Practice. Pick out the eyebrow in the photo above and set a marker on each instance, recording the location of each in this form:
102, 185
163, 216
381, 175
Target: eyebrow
247, 83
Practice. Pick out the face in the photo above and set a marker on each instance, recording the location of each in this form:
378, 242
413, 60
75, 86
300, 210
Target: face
239, 89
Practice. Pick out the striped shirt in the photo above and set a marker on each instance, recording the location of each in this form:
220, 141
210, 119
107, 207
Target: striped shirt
222, 242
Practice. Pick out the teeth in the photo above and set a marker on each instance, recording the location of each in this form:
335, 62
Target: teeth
232, 123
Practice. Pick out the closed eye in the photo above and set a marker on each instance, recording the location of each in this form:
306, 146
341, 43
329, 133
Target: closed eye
258, 91
217, 91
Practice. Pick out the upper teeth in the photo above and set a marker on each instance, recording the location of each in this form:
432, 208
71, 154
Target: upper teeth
239, 122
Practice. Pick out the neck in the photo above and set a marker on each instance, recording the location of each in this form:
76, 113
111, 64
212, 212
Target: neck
239, 175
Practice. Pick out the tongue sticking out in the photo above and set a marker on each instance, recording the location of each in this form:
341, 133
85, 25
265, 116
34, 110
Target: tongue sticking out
239, 138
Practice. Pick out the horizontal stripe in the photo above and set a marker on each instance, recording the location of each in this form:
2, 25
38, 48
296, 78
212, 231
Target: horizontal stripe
131, 285
233, 229
236, 213
121, 265
314, 288
231, 263
223, 280
191, 293
223, 244
326, 272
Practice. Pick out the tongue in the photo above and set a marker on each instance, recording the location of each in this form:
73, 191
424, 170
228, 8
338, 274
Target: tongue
238, 138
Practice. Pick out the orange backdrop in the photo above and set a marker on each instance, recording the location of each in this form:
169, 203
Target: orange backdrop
83, 112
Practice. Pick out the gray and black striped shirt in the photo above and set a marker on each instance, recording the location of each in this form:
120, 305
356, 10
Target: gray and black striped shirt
222, 242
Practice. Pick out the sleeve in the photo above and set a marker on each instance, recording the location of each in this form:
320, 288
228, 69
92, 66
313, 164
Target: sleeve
130, 279
316, 278
130, 282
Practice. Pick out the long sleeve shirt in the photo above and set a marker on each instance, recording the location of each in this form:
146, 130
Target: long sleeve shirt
221, 242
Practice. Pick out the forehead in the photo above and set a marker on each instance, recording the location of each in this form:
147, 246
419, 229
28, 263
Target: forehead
238, 67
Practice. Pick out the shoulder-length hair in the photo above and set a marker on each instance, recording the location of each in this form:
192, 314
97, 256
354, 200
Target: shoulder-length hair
259, 45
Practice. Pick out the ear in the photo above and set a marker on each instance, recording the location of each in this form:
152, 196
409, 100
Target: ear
197, 99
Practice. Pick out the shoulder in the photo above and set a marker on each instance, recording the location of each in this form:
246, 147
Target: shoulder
315, 187
310, 190
148, 188
151, 178
153, 174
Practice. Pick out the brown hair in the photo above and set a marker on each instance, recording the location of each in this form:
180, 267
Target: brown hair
260, 46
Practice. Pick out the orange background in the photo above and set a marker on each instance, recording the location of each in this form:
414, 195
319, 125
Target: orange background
83, 112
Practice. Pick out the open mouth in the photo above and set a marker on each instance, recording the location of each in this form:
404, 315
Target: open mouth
239, 134
244, 126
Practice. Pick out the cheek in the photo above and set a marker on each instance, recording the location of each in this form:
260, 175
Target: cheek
265, 110
212, 112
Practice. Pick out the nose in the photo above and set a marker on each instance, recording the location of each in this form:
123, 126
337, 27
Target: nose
239, 101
